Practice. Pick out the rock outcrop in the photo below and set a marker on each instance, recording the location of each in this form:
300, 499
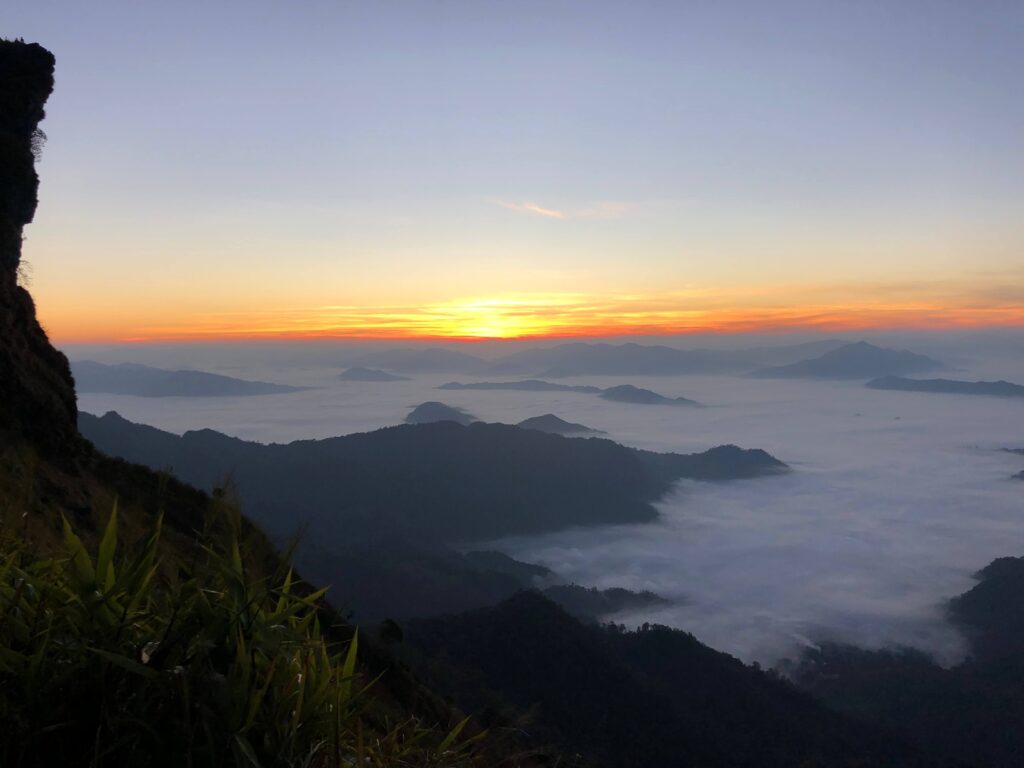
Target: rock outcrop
37, 395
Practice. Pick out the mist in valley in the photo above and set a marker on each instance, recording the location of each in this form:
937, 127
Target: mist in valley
895, 499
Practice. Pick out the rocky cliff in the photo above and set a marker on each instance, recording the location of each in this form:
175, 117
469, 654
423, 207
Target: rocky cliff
37, 396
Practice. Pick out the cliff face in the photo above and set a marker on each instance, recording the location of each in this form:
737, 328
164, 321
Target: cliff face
37, 396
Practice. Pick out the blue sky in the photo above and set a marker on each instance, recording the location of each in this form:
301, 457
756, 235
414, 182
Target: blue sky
233, 157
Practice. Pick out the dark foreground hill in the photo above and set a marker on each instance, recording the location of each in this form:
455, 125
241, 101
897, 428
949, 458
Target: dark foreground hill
144, 381
439, 481
971, 712
380, 509
651, 697
948, 386
853, 361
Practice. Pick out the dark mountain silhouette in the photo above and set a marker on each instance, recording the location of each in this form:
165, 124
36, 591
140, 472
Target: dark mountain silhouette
589, 604
631, 359
653, 697
969, 713
379, 509
144, 381
369, 374
527, 574
426, 413
853, 361
553, 425
1018, 476
414, 360
439, 481
627, 393
530, 385
948, 386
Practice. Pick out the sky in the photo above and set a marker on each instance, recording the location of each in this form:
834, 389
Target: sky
230, 170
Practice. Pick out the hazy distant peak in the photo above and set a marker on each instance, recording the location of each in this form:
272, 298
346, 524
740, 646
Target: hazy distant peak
858, 360
359, 373
627, 393
553, 425
431, 411
145, 381
948, 386
528, 385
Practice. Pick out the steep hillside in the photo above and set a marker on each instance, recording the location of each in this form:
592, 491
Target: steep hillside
66, 682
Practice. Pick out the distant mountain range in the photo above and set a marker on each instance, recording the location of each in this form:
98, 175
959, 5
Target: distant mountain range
948, 386
585, 359
529, 385
369, 374
852, 361
144, 381
414, 360
624, 393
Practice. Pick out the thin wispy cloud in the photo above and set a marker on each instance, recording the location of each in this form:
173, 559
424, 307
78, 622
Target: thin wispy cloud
528, 207
602, 209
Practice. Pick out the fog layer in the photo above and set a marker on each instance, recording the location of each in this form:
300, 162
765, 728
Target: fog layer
896, 498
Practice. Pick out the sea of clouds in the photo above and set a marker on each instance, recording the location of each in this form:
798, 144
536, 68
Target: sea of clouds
895, 500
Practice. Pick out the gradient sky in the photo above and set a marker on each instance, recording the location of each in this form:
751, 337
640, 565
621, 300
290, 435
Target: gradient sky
237, 169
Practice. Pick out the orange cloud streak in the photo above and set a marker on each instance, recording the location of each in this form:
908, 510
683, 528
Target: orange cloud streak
575, 315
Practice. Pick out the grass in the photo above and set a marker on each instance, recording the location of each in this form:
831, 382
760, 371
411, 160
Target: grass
110, 658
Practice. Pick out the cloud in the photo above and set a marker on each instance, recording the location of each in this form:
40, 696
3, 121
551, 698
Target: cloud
862, 542
528, 207
603, 209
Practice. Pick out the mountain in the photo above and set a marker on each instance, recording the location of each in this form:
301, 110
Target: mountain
414, 360
369, 374
593, 605
426, 413
650, 697
553, 425
948, 386
631, 359
627, 393
853, 361
968, 713
380, 510
143, 381
530, 385
437, 481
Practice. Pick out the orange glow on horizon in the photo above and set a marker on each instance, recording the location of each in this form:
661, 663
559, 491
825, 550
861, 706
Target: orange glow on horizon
550, 316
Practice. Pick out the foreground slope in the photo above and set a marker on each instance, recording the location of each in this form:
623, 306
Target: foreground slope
651, 697
65, 662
